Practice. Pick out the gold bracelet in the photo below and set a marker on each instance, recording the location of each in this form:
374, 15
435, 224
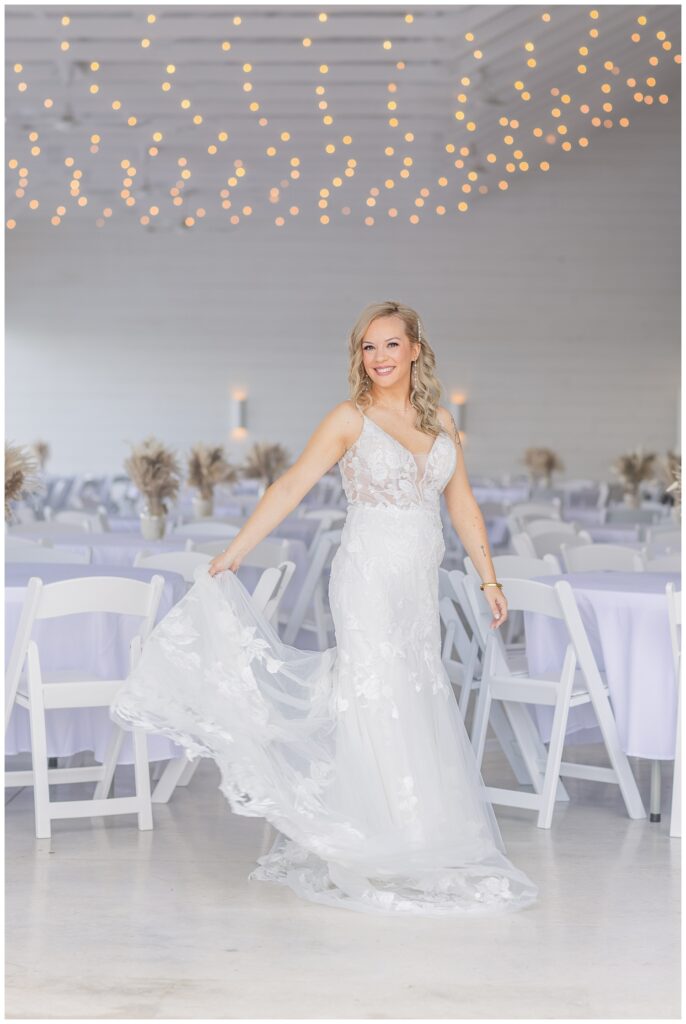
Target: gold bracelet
491, 585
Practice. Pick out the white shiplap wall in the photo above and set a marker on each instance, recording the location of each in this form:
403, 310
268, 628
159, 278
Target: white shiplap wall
555, 307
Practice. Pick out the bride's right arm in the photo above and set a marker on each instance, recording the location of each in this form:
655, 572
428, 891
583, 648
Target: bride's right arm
334, 434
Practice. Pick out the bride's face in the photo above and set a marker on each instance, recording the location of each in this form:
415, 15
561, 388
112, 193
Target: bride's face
387, 352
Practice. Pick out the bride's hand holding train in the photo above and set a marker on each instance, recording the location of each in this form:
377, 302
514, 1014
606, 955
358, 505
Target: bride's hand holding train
229, 558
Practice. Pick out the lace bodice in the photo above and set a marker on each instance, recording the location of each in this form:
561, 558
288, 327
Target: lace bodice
379, 471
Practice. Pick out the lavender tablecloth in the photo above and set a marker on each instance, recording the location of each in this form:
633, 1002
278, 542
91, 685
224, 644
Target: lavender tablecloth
120, 549
293, 527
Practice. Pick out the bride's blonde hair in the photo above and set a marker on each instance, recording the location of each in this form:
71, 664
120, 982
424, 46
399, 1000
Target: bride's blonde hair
425, 394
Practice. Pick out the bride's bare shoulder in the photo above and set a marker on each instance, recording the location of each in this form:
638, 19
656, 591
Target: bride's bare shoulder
444, 417
346, 420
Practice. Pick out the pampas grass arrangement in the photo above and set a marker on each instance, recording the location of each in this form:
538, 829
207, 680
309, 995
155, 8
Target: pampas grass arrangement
21, 476
633, 468
266, 462
42, 450
207, 467
541, 463
673, 466
154, 469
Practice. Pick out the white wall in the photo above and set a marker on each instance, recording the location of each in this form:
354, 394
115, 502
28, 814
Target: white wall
554, 306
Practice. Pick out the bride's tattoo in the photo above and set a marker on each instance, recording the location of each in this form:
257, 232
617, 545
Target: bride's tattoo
483, 549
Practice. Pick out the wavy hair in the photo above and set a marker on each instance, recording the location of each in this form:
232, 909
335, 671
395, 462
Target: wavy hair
425, 396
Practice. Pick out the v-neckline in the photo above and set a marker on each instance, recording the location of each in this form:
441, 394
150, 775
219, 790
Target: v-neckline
414, 455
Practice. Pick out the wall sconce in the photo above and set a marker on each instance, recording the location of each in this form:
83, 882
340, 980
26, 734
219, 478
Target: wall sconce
458, 407
239, 411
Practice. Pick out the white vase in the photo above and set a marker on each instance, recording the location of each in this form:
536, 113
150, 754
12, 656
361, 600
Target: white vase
202, 507
152, 527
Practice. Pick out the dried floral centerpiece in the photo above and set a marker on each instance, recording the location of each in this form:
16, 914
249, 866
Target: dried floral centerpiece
541, 463
207, 467
42, 450
21, 476
154, 469
673, 472
633, 468
265, 462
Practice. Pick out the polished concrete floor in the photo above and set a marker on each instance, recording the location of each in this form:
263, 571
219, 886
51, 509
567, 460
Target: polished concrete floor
105, 922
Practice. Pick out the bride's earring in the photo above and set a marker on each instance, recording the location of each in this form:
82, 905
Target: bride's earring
414, 375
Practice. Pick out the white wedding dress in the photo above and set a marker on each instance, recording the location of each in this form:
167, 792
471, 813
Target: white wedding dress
357, 755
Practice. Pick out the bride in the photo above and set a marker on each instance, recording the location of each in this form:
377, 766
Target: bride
357, 755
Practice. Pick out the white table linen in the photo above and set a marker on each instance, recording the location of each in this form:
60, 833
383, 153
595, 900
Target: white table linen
625, 617
615, 533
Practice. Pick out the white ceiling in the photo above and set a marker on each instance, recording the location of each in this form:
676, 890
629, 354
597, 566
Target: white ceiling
284, 77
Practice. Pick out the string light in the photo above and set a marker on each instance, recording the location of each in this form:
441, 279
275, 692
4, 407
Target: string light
602, 111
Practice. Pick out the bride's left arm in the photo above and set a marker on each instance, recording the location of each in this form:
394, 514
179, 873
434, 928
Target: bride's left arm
468, 522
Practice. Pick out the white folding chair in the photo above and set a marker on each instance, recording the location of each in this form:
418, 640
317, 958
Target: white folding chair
578, 682
183, 562
454, 549
469, 642
522, 544
271, 587
535, 527
596, 557
237, 521
540, 509
522, 568
268, 554
491, 510
603, 495
508, 739
579, 493
313, 595
207, 528
550, 542
662, 563
624, 514
59, 493
522, 511
674, 610
323, 495
95, 522
40, 691
24, 514
664, 542
657, 530
458, 638
266, 597
518, 567
328, 519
